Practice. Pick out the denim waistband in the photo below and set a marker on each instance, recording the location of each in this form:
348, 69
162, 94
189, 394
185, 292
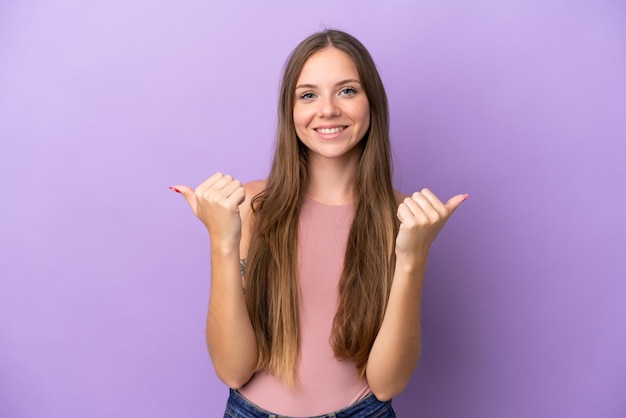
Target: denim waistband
368, 407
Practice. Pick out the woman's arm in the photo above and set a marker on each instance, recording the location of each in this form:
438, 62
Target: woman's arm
223, 205
396, 350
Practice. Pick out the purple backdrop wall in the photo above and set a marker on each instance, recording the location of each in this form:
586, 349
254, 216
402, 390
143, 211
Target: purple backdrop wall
104, 273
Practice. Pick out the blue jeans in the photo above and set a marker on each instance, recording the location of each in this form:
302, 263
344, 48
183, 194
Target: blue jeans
368, 407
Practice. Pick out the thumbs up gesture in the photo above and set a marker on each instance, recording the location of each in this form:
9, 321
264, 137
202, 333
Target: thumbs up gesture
216, 203
422, 215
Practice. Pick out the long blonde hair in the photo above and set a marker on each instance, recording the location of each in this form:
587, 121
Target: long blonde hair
273, 298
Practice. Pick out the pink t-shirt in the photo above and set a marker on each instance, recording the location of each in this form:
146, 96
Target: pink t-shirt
325, 384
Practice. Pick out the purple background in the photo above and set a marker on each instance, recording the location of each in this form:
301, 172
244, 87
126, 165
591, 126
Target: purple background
104, 273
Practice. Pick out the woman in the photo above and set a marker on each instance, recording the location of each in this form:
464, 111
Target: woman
317, 272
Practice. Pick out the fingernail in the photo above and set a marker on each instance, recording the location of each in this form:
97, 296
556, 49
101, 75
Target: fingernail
175, 189
466, 196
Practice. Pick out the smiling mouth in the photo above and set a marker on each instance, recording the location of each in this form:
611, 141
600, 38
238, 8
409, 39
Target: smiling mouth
330, 131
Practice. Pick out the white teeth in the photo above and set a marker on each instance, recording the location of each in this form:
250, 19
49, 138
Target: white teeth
327, 131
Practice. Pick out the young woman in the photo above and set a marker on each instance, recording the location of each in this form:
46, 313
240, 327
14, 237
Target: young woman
317, 272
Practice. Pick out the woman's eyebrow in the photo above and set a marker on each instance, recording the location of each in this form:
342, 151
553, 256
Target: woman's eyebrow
312, 86
348, 81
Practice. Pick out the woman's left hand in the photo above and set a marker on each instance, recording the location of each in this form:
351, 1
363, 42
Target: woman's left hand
422, 216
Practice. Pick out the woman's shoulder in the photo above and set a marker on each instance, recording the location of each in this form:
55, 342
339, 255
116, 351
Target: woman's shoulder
253, 188
400, 196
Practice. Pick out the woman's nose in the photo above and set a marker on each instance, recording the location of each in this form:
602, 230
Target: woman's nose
329, 108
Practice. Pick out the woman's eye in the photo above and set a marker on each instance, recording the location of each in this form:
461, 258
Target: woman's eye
307, 96
348, 91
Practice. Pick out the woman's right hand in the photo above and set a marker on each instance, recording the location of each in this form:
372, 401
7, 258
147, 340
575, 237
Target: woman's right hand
216, 203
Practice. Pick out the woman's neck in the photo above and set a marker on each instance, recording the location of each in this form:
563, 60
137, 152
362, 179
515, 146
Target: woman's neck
331, 181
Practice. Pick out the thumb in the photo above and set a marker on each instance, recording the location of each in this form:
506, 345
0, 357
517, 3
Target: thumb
187, 193
455, 202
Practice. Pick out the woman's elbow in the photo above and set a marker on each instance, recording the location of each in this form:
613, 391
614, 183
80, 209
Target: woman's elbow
385, 385
234, 381
390, 391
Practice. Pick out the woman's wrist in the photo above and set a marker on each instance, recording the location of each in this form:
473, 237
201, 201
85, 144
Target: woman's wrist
224, 248
414, 263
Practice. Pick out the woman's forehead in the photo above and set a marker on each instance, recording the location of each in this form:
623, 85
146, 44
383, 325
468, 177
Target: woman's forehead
329, 65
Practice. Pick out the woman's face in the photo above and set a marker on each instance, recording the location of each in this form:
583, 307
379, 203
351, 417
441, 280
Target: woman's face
331, 111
